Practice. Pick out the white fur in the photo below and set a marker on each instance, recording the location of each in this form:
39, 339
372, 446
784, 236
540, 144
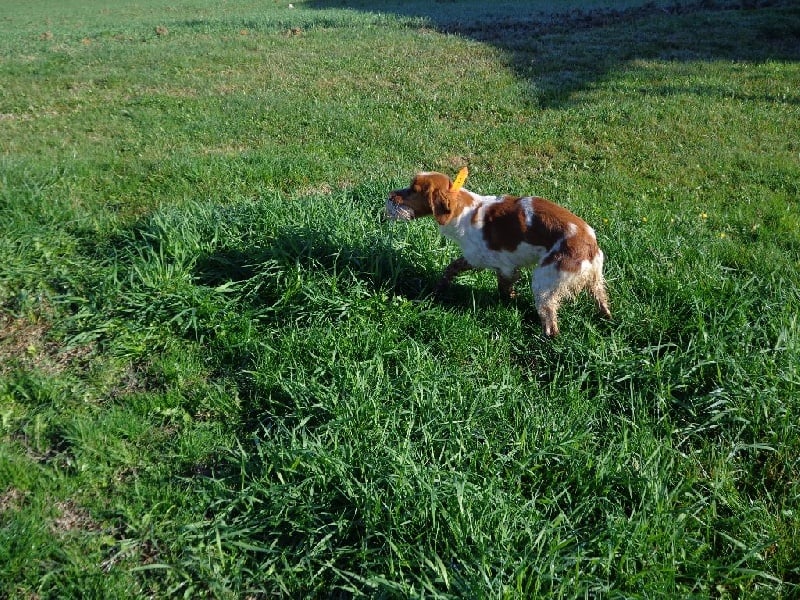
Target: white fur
572, 229
527, 207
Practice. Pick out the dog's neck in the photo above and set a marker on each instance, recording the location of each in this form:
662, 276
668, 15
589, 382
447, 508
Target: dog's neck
466, 210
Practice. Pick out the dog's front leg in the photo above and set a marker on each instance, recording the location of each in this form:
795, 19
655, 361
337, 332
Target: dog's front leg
505, 285
454, 269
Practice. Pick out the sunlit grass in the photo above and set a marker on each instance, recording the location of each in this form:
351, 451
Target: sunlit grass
223, 374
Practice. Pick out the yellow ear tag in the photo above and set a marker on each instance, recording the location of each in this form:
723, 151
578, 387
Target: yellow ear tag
460, 179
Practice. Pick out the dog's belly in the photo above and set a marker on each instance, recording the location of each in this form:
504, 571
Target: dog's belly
505, 261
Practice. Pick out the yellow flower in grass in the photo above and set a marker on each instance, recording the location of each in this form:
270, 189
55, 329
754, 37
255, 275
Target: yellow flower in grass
703, 215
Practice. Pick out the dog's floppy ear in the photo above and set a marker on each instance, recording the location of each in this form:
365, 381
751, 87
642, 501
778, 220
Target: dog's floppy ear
439, 199
442, 195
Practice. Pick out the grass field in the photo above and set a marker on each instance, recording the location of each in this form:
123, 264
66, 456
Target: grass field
222, 374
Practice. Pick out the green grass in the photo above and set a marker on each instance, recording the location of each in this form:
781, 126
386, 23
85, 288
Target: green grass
222, 374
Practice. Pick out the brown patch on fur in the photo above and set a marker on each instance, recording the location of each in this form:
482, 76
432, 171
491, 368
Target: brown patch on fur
448, 206
572, 252
505, 224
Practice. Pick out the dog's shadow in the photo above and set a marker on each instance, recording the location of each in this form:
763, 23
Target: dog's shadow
374, 261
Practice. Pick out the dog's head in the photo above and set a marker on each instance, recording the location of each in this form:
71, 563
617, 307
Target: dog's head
429, 194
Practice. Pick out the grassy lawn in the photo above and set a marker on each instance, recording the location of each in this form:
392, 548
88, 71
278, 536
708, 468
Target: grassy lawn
222, 374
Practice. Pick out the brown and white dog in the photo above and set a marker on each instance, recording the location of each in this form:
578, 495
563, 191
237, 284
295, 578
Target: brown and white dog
506, 233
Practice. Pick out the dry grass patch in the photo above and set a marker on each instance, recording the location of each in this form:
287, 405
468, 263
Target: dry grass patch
25, 343
12, 500
72, 518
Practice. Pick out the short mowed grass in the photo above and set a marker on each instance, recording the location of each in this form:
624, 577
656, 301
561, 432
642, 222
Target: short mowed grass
222, 374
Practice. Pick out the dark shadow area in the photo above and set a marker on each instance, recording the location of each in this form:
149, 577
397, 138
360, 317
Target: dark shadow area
561, 51
261, 279
372, 261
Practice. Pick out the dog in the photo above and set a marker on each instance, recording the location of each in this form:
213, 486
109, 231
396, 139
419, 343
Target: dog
506, 233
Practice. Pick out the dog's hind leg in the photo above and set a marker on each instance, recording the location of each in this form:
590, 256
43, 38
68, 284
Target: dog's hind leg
598, 291
597, 287
547, 307
549, 289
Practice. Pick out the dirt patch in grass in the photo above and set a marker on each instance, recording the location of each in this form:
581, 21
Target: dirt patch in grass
72, 518
25, 343
21, 339
12, 500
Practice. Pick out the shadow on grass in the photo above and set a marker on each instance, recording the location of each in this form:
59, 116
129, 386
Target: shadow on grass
566, 49
372, 261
